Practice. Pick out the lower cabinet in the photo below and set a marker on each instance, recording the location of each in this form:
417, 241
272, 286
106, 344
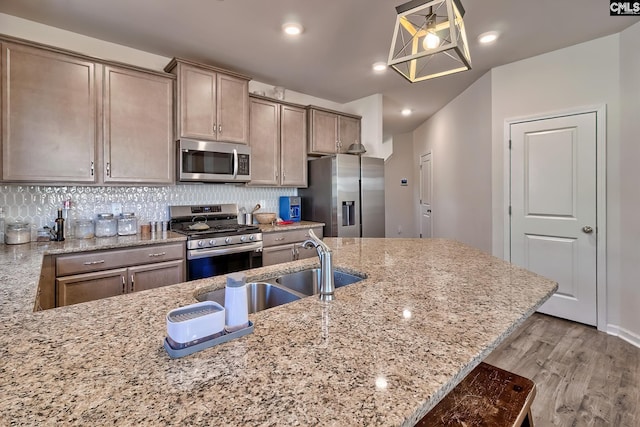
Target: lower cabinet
285, 246
102, 274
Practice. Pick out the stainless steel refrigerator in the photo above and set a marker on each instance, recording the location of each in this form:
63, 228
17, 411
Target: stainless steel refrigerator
346, 192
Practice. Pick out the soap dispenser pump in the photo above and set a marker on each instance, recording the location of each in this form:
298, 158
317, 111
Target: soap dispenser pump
236, 302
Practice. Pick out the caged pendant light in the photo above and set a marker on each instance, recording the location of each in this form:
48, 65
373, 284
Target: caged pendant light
429, 40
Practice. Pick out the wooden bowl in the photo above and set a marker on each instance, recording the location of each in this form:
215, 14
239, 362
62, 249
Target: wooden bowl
265, 217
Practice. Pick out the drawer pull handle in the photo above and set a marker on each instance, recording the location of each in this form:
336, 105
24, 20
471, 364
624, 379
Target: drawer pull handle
158, 254
94, 262
278, 239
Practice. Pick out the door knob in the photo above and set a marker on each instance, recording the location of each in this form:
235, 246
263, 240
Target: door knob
587, 229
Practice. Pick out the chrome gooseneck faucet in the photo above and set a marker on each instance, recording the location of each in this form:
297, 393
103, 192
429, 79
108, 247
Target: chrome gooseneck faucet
327, 285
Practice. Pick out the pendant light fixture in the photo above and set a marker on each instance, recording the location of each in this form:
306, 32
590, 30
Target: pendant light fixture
429, 40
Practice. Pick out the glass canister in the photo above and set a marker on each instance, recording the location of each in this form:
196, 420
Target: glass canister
127, 224
84, 229
17, 233
106, 225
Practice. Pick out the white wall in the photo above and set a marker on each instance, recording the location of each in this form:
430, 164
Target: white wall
459, 138
629, 293
399, 215
586, 74
370, 108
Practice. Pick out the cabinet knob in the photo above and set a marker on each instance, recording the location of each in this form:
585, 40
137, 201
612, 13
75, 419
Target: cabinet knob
108, 169
215, 128
219, 128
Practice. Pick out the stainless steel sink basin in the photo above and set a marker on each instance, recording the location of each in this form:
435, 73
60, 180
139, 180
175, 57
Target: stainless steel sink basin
261, 296
307, 282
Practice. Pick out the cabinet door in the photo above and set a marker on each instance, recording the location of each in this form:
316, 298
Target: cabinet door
349, 132
156, 275
277, 255
264, 140
323, 132
49, 116
138, 127
304, 253
233, 109
293, 146
197, 103
90, 286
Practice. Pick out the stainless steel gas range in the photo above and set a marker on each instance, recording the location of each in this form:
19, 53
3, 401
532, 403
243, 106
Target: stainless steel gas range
216, 243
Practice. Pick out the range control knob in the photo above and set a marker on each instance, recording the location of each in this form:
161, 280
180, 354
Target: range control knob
212, 242
243, 238
227, 240
201, 243
252, 237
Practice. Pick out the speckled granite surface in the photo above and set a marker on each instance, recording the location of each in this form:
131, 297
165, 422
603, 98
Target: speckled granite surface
383, 353
20, 264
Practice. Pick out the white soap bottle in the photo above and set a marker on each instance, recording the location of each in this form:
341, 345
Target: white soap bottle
235, 302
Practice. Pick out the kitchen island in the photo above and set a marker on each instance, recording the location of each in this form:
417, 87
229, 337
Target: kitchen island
383, 353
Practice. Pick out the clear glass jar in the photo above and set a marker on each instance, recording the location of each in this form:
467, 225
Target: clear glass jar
106, 225
84, 229
17, 233
127, 224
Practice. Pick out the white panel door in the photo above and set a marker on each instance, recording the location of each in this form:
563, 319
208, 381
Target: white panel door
553, 204
426, 195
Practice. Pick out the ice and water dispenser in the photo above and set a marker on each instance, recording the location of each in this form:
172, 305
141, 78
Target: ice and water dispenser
290, 208
348, 213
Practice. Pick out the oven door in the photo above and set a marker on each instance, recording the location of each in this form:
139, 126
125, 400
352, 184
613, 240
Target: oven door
207, 263
209, 161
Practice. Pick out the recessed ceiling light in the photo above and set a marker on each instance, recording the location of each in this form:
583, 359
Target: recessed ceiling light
292, 28
379, 66
406, 112
488, 37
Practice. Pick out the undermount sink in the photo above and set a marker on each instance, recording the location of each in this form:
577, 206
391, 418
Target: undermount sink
307, 282
283, 289
260, 296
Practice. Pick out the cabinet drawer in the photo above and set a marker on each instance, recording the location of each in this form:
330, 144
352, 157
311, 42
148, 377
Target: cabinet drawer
284, 237
104, 260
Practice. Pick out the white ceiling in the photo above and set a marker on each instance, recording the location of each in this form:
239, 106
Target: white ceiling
332, 59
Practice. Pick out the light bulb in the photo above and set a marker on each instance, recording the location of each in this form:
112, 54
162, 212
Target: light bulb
431, 41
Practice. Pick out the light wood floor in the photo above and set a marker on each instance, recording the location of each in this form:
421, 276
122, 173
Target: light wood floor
583, 377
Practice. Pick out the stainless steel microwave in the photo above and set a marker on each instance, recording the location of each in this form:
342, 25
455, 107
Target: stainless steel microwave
210, 161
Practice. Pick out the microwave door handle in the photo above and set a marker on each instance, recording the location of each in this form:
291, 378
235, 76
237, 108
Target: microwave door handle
235, 163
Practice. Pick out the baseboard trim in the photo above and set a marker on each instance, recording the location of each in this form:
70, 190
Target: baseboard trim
628, 336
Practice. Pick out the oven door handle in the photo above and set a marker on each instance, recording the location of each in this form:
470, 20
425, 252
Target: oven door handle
207, 253
235, 163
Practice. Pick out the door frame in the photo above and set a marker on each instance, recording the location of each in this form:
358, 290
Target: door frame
601, 195
430, 153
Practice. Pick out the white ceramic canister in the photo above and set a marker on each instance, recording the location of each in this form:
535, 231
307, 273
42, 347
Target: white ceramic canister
236, 303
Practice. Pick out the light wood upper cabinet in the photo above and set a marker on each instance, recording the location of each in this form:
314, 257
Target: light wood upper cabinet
348, 132
49, 116
265, 142
323, 132
233, 109
278, 134
211, 103
293, 146
331, 132
197, 103
138, 127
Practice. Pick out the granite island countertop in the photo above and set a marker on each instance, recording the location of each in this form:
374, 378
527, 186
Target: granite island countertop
383, 353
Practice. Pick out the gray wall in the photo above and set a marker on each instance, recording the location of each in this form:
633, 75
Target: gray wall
399, 217
459, 138
629, 289
583, 75
467, 140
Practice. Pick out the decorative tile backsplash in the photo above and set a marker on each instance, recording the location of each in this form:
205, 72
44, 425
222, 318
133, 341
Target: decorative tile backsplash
38, 205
